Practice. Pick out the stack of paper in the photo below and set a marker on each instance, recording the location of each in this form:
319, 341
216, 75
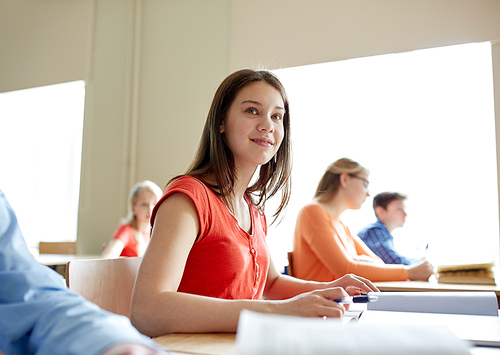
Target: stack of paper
478, 274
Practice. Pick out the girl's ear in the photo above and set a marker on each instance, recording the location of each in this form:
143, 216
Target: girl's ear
222, 127
344, 177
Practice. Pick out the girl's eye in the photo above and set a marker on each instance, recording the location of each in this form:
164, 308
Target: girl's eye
277, 117
251, 110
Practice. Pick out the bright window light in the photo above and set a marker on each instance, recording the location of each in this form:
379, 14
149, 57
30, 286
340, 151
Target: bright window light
423, 123
40, 152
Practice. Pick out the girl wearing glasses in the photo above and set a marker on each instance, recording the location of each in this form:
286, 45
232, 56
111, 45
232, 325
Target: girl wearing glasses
325, 249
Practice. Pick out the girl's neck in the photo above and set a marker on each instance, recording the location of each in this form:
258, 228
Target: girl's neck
238, 206
241, 182
335, 207
237, 196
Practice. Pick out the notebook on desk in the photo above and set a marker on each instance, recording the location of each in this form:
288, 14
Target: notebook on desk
472, 303
471, 316
480, 330
477, 274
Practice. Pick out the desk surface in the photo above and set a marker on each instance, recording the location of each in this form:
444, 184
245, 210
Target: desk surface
61, 259
202, 343
224, 343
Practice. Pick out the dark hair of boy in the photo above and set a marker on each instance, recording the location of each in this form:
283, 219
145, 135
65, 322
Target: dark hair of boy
384, 198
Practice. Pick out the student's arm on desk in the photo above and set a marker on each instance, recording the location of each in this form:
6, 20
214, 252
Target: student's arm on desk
157, 308
421, 270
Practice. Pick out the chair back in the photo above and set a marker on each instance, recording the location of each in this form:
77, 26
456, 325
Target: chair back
105, 282
290, 261
57, 248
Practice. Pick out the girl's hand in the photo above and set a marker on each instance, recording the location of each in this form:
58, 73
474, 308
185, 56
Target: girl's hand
354, 284
314, 304
420, 271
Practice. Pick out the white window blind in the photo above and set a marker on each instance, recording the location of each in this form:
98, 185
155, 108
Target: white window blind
40, 156
423, 123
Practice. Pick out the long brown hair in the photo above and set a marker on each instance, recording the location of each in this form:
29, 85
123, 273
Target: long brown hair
214, 160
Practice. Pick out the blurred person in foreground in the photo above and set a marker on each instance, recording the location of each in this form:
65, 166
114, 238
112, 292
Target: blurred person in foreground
39, 315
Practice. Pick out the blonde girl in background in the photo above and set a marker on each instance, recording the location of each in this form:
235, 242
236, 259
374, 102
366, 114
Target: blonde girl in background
132, 237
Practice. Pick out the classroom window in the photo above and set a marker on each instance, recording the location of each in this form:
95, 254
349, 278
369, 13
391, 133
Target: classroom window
423, 123
40, 152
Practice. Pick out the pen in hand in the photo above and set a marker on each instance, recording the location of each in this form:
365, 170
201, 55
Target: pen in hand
356, 299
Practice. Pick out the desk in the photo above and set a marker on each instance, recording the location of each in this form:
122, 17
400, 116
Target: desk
225, 344
200, 343
61, 259
434, 286
57, 262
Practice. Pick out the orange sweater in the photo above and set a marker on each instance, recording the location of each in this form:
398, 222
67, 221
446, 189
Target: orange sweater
325, 250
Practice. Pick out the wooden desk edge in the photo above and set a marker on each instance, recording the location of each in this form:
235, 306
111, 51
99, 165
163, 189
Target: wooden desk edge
62, 259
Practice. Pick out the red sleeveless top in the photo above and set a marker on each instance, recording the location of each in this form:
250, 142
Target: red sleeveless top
225, 261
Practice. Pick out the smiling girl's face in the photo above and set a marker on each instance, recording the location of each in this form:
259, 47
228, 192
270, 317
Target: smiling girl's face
253, 126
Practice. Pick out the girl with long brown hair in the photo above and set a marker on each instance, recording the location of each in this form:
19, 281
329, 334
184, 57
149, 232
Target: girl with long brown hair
207, 258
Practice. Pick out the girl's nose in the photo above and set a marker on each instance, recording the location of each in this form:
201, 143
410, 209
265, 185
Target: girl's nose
266, 125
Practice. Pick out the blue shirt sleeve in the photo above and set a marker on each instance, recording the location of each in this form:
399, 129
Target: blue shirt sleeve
381, 242
38, 314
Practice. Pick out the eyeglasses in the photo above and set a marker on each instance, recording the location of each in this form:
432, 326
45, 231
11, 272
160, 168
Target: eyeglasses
362, 179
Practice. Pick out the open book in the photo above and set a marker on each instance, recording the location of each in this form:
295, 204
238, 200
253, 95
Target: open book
273, 334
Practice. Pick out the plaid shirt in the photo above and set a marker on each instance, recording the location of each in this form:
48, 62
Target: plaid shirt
381, 242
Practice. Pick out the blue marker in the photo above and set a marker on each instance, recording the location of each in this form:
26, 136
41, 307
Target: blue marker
357, 299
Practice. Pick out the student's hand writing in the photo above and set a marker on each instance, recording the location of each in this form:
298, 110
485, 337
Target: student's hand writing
354, 284
315, 304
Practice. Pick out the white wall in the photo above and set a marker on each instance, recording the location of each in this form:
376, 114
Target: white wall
154, 69
282, 33
43, 42
184, 57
